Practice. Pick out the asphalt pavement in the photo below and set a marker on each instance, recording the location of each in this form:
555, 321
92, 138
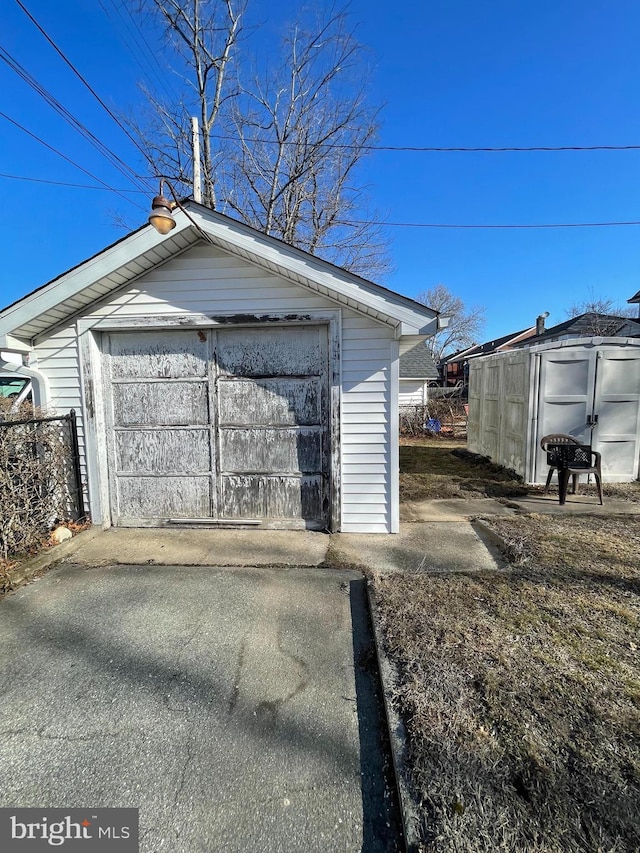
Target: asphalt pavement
235, 707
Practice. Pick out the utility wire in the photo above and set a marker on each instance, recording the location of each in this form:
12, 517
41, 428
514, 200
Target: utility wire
68, 116
440, 149
68, 184
84, 81
356, 222
138, 50
68, 159
353, 222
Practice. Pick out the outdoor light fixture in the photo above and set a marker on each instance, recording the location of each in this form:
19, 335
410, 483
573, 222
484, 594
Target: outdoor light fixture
161, 212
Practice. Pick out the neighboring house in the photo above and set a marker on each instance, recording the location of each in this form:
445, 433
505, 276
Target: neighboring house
222, 377
636, 300
455, 367
590, 324
417, 369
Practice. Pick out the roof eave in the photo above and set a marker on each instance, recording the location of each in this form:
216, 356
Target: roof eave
118, 265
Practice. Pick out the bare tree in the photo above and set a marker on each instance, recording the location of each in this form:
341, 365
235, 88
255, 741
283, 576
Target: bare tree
465, 324
281, 146
600, 306
303, 130
203, 35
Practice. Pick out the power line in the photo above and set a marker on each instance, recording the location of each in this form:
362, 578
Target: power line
137, 51
356, 222
68, 159
68, 184
69, 117
442, 149
83, 80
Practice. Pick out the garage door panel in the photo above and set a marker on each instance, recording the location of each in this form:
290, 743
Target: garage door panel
271, 450
174, 497
219, 424
166, 451
269, 401
270, 352
260, 496
159, 355
160, 403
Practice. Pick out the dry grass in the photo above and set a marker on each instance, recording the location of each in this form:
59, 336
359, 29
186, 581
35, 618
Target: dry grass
521, 691
441, 468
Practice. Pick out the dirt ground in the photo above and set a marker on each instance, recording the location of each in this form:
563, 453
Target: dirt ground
520, 690
442, 468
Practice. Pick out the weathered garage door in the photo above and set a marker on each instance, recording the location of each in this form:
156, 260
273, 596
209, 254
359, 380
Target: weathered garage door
219, 425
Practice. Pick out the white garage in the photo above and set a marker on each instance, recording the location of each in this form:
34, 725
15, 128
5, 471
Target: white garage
223, 378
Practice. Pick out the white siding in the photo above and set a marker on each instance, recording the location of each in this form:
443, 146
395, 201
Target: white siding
413, 392
204, 280
366, 422
57, 358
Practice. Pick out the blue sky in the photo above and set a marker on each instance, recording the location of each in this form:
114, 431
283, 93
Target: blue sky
451, 73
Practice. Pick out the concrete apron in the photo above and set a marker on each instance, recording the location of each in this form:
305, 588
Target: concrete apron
224, 703
445, 545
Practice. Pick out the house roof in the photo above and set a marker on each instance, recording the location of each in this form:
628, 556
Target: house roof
418, 363
588, 325
491, 346
635, 298
118, 265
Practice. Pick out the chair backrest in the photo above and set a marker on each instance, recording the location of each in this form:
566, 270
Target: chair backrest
557, 438
569, 455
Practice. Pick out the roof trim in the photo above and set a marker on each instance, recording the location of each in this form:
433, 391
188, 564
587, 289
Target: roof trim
70, 293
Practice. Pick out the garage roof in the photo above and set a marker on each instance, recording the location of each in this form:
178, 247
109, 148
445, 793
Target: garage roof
71, 293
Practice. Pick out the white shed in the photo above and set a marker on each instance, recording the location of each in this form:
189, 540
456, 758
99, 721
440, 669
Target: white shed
585, 387
223, 377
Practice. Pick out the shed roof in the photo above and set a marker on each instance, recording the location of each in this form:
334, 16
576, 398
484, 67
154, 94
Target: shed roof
418, 363
71, 293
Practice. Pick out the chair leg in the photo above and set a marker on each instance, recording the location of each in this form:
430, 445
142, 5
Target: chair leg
599, 484
548, 483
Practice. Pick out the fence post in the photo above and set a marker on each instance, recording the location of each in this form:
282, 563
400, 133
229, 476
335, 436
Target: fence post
75, 449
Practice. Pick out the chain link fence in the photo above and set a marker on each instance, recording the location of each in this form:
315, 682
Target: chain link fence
40, 481
445, 417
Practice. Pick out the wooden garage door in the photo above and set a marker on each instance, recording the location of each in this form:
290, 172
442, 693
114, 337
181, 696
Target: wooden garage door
219, 425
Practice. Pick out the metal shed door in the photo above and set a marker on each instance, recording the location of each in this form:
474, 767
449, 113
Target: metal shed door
219, 425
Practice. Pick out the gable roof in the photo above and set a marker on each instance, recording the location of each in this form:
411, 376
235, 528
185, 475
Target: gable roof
587, 325
72, 292
488, 347
418, 363
635, 298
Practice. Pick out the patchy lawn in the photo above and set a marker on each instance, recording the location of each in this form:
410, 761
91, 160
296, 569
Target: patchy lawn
441, 468
521, 691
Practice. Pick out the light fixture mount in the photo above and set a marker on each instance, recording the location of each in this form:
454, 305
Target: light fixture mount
161, 216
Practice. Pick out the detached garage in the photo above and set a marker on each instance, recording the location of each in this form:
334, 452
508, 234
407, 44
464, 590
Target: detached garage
223, 377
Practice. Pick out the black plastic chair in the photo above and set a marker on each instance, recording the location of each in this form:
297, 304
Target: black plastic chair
570, 458
557, 438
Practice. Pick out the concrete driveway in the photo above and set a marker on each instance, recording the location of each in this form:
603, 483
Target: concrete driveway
235, 707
